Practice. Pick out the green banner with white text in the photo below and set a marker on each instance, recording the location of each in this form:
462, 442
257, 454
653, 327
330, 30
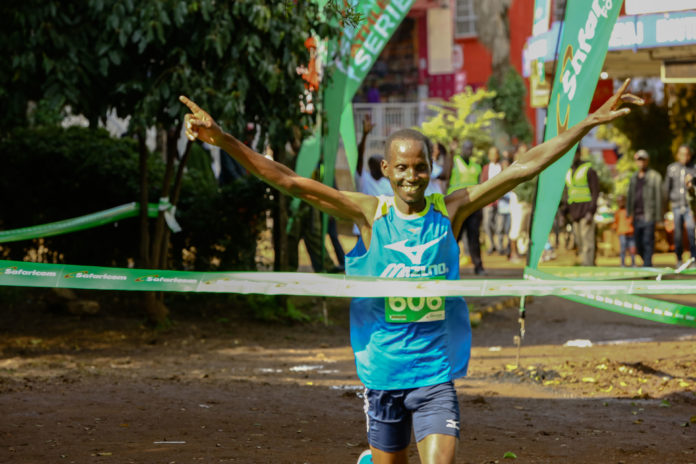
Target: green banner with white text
620, 296
581, 52
355, 54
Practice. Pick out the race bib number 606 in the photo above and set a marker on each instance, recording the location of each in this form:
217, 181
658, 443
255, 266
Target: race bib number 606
414, 309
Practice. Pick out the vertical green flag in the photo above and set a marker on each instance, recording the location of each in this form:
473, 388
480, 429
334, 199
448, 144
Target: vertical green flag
584, 42
355, 54
362, 47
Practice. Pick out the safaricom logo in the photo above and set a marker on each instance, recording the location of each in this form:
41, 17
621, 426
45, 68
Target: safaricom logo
600, 9
168, 280
28, 273
89, 275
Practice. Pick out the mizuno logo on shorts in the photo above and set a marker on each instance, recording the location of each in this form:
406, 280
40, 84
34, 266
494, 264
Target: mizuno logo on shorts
452, 424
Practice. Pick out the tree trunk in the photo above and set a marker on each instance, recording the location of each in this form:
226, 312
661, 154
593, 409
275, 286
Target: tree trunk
144, 226
155, 309
280, 236
176, 192
493, 30
156, 312
160, 224
280, 216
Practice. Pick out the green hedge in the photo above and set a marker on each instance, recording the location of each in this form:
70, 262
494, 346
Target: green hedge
51, 174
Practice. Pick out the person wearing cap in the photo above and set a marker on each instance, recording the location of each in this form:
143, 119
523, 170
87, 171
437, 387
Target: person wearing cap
675, 192
644, 205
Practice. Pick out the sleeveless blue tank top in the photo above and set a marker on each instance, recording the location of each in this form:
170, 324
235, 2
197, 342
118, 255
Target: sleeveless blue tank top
400, 355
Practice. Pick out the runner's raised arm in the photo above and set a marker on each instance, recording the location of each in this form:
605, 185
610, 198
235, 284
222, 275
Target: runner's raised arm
350, 206
462, 203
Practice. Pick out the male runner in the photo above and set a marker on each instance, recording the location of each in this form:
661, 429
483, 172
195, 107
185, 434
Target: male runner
408, 351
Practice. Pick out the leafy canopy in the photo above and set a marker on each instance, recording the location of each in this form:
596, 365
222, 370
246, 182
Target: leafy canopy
465, 117
237, 58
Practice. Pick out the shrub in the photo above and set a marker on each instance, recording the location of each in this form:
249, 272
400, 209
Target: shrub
52, 174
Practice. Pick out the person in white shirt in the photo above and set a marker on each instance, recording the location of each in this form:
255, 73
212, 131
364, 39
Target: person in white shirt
370, 181
490, 212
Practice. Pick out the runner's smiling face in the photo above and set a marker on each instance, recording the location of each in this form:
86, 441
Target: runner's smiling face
408, 169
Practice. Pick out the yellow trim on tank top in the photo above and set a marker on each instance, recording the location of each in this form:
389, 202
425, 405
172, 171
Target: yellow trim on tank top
386, 202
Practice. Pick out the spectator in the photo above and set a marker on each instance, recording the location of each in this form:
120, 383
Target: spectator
490, 170
438, 179
306, 226
502, 225
582, 183
624, 229
372, 181
465, 172
675, 192
644, 205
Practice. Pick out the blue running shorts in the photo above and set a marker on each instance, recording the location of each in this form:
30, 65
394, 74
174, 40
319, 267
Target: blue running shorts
391, 414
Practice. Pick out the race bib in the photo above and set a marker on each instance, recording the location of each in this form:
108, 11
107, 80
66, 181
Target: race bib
414, 309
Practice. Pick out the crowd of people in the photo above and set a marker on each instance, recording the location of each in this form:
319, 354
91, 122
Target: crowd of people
501, 226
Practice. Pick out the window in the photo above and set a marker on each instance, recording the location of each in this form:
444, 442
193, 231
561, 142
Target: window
465, 19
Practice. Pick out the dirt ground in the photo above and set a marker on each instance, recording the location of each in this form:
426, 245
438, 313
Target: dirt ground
220, 388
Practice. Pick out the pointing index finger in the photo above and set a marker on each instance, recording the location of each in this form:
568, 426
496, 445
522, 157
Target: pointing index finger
188, 102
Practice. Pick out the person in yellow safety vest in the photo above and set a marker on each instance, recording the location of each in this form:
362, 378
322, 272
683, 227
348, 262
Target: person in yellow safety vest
582, 185
464, 173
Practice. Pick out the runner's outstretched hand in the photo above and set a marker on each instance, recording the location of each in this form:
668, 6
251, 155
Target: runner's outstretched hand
199, 124
610, 109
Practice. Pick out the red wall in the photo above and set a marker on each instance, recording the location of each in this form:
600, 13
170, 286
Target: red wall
477, 59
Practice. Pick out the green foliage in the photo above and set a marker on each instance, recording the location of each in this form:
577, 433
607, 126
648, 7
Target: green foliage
526, 190
625, 167
682, 116
647, 128
45, 113
237, 58
464, 117
53, 174
222, 224
349, 16
509, 100
606, 180
199, 166
273, 308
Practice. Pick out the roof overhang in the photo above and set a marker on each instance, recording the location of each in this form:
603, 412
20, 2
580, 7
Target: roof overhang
638, 46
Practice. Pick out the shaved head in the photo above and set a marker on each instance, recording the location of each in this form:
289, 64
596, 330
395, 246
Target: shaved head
408, 135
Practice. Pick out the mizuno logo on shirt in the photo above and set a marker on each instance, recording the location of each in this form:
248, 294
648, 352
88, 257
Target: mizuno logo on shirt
414, 253
400, 270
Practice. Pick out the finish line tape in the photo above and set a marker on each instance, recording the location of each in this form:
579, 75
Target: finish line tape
627, 304
612, 295
25, 274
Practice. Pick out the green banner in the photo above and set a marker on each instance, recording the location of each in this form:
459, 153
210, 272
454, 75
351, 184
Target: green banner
80, 223
628, 303
611, 273
357, 51
27, 274
350, 143
583, 46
